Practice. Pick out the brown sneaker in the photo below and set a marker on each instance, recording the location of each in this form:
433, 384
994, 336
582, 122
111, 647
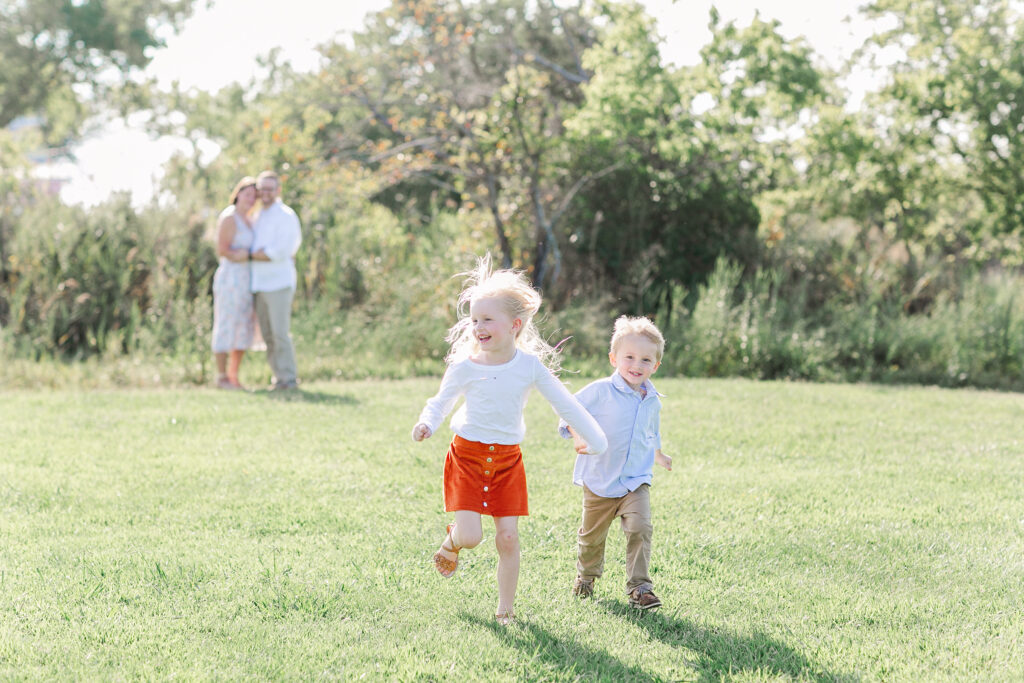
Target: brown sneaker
583, 588
645, 600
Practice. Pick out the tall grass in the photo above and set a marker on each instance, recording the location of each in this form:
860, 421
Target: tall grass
111, 280
747, 327
739, 327
123, 296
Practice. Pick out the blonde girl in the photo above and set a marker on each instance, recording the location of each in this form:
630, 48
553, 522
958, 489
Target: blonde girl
496, 357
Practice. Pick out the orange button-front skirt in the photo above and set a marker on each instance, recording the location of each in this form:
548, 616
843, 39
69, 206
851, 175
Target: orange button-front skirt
485, 478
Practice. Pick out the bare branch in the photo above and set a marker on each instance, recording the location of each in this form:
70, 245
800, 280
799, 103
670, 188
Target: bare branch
563, 206
532, 57
576, 54
398, 149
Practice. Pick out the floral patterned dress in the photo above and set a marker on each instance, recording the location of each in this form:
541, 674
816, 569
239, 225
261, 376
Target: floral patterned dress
234, 317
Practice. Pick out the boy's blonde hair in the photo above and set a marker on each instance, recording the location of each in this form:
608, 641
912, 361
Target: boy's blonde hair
518, 298
642, 326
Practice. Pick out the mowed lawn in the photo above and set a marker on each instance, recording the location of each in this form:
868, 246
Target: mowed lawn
807, 532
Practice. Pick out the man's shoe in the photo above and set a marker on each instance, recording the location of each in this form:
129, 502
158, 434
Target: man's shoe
583, 588
645, 600
284, 386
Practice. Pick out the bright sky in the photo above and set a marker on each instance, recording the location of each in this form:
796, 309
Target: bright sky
219, 45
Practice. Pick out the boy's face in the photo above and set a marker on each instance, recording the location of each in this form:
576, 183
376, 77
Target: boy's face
635, 358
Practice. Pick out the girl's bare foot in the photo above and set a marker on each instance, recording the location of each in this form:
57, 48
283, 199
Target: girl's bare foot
505, 616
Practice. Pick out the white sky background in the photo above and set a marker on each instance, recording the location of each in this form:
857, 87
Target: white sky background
218, 45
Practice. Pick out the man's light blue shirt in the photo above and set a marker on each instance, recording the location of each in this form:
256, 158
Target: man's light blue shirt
632, 425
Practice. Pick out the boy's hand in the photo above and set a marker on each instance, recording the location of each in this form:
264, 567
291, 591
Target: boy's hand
663, 460
420, 432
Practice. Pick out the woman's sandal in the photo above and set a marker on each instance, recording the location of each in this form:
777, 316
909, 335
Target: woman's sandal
505, 618
445, 566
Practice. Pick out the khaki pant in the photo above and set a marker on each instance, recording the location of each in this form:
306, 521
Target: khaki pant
635, 510
274, 312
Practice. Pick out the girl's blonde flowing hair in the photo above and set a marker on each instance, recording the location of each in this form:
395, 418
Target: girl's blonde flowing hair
518, 298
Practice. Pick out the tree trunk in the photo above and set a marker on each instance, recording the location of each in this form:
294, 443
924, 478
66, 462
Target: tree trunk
499, 225
546, 243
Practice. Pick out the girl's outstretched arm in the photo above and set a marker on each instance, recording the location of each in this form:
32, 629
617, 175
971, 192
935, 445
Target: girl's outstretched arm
438, 406
572, 411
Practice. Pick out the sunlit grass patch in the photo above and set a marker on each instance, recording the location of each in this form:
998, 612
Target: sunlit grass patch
807, 532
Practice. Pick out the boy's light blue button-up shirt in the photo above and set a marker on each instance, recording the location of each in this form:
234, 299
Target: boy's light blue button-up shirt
632, 425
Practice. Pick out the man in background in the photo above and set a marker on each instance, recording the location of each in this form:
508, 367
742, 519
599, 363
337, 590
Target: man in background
278, 236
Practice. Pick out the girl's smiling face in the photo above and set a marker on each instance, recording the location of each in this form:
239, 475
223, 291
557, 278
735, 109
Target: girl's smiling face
493, 328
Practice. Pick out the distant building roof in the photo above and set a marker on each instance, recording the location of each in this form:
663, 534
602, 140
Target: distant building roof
27, 121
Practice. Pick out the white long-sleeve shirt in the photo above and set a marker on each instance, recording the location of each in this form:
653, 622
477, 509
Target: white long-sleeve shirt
279, 235
495, 396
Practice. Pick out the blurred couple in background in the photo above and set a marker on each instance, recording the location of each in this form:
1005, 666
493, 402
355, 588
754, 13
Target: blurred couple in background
257, 238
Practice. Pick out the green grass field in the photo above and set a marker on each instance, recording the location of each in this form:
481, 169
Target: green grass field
807, 532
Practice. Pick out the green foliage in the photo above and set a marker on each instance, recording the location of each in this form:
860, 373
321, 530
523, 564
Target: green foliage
959, 88
976, 340
461, 107
55, 50
105, 280
773, 231
769, 327
928, 158
683, 192
746, 329
758, 80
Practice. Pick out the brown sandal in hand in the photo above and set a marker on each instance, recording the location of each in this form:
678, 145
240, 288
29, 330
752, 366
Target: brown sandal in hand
446, 567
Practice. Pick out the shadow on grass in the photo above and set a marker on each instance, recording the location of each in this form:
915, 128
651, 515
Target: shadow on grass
565, 656
719, 653
722, 653
303, 396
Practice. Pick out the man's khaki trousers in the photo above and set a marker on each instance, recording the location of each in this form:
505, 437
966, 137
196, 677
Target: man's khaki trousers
274, 312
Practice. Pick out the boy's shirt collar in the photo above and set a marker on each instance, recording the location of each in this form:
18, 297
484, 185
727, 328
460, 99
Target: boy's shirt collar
619, 383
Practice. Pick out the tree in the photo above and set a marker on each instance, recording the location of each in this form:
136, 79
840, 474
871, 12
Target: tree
695, 148
926, 167
956, 98
53, 50
470, 99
